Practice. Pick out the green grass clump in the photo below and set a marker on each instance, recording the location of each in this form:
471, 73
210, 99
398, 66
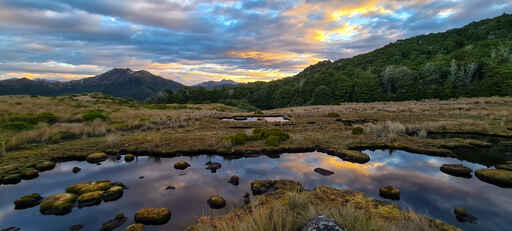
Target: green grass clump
94, 114
156, 106
273, 141
17, 126
333, 115
357, 131
239, 139
260, 134
31, 119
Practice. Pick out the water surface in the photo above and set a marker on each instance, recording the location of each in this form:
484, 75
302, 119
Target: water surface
424, 188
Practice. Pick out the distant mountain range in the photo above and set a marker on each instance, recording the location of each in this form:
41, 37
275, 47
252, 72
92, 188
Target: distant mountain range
218, 84
124, 83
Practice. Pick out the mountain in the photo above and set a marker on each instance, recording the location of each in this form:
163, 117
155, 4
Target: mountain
117, 82
218, 84
472, 61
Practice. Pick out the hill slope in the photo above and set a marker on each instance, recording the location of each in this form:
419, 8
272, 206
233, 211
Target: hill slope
475, 60
117, 82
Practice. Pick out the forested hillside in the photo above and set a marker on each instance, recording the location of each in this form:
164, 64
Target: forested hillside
475, 60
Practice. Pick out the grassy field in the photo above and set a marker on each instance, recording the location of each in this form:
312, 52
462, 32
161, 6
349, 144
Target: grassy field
33, 129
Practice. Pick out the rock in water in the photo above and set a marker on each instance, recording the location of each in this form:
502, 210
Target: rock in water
234, 180
45, 166
12, 229
96, 157
135, 227
129, 157
76, 170
181, 165
213, 166
29, 174
323, 172
76, 227
323, 223
58, 204
90, 199
389, 192
153, 216
499, 177
119, 220
216, 202
457, 170
463, 215
28, 201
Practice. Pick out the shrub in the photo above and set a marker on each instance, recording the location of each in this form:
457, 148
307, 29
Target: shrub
239, 139
17, 126
273, 141
333, 115
357, 131
94, 114
258, 113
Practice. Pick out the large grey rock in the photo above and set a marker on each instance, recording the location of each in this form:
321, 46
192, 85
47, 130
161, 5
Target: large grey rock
323, 223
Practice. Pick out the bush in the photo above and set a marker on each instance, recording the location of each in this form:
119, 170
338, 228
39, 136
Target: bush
239, 139
357, 131
333, 115
273, 141
94, 114
17, 126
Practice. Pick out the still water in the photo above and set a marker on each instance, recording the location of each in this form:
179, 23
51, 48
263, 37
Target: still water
271, 119
424, 188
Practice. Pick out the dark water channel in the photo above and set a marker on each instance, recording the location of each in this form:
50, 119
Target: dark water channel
424, 188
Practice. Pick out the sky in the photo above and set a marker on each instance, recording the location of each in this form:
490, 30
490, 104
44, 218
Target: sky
193, 41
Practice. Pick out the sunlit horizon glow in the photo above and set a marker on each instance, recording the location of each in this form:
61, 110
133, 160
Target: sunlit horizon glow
197, 40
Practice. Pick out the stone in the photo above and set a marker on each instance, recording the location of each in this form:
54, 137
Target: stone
216, 202
45, 165
499, 177
12, 179
29, 174
76, 170
389, 192
90, 199
323, 172
12, 229
247, 198
170, 188
113, 193
213, 166
129, 157
153, 216
135, 227
234, 180
58, 204
115, 223
76, 227
87, 187
354, 156
323, 223
181, 165
457, 170
28, 201
259, 187
96, 157
463, 215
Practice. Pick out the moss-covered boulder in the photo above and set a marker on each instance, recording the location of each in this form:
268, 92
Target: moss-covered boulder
28, 201
499, 177
181, 165
90, 199
87, 187
389, 192
216, 202
457, 170
213, 166
45, 165
463, 215
29, 174
259, 187
354, 156
323, 172
153, 216
129, 157
115, 223
135, 227
58, 204
96, 157
113, 193
234, 180
11, 179
76, 170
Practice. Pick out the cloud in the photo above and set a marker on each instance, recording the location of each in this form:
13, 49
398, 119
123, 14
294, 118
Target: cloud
198, 40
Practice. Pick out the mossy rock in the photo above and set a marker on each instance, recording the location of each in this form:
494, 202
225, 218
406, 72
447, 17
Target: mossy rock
354, 156
76, 170
499, 177
389, 192
457, 170
216, 202
28, 201
87, 187
58, 204
115, 223
213, 166
45, 165
153, 216
463, 215
113, 193
96, 157
90, 199
259, 187
29, 174
181, 165
11, 179
135, 227
129, 157
234, 180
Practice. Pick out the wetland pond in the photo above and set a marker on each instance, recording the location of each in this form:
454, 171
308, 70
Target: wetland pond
424, 188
